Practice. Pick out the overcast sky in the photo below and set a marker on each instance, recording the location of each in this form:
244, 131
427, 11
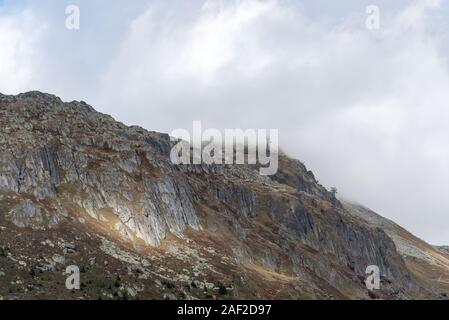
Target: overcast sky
366, 110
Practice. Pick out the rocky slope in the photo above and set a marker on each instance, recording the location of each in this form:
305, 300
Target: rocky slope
429, 264
443, 249
79, 188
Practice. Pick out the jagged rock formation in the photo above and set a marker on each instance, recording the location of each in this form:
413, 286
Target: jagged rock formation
430, 265
444, 249
69, 174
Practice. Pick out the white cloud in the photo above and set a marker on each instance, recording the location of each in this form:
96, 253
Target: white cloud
415, 14
17, 51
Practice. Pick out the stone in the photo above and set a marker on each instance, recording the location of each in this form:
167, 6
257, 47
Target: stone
27, 215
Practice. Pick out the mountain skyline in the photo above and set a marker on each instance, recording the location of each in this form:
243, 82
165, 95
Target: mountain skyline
365, 109
81, 191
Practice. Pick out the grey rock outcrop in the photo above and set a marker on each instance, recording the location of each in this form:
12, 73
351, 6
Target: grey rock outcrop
65, 161
26, 214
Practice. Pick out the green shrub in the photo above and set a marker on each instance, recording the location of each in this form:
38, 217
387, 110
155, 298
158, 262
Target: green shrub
118, 282
222, 289
169, 285
3, 252
124, 295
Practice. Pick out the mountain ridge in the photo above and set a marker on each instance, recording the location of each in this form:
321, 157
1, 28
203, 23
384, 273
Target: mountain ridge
81, 188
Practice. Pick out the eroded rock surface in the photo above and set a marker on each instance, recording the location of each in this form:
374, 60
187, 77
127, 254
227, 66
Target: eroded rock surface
64, 166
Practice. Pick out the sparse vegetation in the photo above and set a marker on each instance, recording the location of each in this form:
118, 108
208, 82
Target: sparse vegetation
3, 252
182, 296
118, 282
124, 295
168, 285
99, 282
222, 290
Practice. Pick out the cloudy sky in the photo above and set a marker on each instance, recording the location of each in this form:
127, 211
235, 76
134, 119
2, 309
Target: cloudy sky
366, 110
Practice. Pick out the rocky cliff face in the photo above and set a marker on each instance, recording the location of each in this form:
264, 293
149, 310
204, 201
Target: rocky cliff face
429, 264
77, 187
